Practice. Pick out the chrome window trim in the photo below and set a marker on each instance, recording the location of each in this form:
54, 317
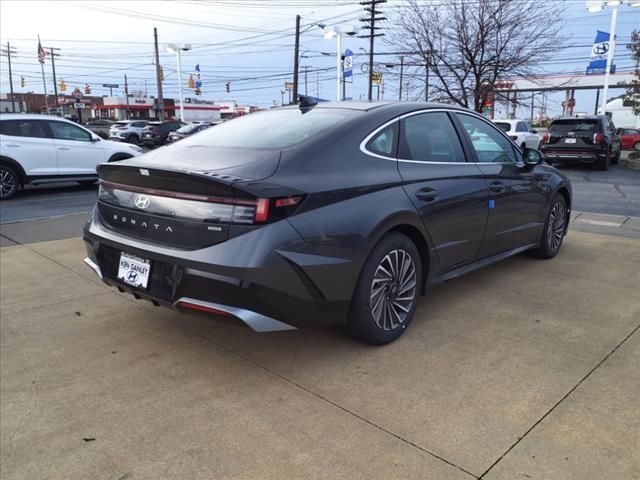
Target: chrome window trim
368, 138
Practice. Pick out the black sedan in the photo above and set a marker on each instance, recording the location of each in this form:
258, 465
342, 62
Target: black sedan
323, 214
186, 131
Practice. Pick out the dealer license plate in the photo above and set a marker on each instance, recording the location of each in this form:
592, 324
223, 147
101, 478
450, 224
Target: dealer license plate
569, 140
134, 270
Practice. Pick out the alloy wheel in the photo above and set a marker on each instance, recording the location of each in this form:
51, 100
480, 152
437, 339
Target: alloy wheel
555, 230
393, 289
8, 183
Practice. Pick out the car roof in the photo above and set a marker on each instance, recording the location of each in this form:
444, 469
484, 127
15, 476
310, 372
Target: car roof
30, 116
392, 108
582, 117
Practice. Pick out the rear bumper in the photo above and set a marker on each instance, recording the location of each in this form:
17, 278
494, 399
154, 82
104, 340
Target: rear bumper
574, 156
153, 141
262, 278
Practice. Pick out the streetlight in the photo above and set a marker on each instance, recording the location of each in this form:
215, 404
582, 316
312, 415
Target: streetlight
177, 48
337, 32
596, 6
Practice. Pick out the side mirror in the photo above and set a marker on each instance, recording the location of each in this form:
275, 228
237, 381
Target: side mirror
95, 138
534, 130
532, 156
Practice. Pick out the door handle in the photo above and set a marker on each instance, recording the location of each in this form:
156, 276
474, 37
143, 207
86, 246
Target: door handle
64, 148
496, 187
427, 194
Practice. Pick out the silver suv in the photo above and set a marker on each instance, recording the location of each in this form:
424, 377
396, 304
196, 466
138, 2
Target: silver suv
129, 131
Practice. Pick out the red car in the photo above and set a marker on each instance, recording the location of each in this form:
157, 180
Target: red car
629, 138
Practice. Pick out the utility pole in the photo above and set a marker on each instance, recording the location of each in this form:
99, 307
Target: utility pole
370, 25
426, 82
53, 68
160, 100
296, 58
126, 94
401, 72
8, 53
306, 67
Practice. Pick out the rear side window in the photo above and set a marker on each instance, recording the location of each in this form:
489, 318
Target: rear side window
429, 137
578, 126
138, 124
504, 126
24, 128
385, 141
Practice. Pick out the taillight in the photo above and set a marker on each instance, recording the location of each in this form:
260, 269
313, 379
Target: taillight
283, 207
598, 138
545, 137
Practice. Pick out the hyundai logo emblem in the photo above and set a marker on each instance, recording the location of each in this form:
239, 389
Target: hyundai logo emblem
142, 201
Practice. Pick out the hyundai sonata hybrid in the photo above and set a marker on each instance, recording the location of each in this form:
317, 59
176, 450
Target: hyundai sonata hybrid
323, 214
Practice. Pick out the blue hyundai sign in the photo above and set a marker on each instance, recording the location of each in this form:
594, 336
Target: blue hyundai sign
599, 53
347, 66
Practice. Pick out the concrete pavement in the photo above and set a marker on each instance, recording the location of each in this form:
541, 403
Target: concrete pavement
526, 369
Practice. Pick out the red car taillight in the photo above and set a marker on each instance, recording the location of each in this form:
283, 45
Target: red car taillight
545, 137
598, 138
283, 207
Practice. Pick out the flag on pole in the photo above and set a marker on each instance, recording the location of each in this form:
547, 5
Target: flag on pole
198, 77
42, 53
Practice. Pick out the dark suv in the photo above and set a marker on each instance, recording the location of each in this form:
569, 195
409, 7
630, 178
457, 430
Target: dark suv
156, 133
590, 139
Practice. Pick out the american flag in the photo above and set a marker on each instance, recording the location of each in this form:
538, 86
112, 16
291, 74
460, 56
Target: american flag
42, 53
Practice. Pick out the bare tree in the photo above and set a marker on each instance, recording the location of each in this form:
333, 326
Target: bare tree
632, 96
468, 45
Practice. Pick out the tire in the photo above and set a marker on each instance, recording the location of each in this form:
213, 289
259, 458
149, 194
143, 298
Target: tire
636, 146
555, 227
603, 164
616, 158
132, 138
9, 182
391, 278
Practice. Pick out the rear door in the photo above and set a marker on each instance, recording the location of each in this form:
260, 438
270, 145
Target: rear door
450, 193
516, 192
78, 154
29, 143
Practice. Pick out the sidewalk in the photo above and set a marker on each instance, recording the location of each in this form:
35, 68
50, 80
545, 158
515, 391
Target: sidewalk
607, 224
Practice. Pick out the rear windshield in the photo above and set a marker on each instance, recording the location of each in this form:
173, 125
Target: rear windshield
272, 129
504, 126
577, 126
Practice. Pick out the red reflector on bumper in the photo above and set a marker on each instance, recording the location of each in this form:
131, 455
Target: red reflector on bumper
203, 308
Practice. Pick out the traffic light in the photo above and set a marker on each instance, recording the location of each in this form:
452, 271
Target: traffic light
228, 87
87, 89
161, 74
62, 86
23, 83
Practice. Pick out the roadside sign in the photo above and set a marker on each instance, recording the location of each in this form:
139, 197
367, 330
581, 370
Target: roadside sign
288, 85
376, 78
78, 105
347, 66
110, 85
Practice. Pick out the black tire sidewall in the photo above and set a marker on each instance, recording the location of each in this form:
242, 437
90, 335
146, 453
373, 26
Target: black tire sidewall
545, 250
361, 322
16, 179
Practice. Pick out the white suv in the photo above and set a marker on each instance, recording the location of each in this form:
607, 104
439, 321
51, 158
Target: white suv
43, 148
129, 131
520, 132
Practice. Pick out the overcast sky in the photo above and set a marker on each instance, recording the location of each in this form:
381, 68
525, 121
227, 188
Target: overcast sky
246, 42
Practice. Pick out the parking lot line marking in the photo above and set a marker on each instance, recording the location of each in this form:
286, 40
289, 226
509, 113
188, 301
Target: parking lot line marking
574, 388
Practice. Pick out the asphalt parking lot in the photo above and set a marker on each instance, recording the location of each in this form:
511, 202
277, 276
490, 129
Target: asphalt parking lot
526, 369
